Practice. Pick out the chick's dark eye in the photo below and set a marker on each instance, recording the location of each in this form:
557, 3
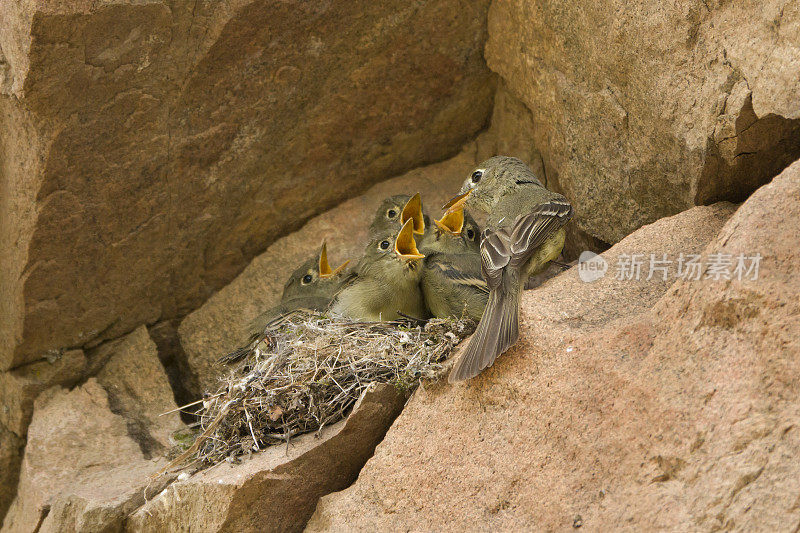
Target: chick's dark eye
476, 176
470, 234
385, 245
391, 213
307, 279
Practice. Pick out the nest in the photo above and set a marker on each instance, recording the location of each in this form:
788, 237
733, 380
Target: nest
308, 372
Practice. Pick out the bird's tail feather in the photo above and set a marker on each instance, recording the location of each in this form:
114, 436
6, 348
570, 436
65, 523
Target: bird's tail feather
497, 331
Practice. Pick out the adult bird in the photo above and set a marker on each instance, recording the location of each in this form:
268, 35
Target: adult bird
524, 233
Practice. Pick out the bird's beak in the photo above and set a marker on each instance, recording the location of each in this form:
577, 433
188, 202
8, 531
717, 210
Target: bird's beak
325, 271
451, 222
457, 202
404, 245
413, 211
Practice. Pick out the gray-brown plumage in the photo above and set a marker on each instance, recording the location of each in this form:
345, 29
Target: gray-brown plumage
385, 285
311, 286
524, 232
393, 213
452, 283
456, 232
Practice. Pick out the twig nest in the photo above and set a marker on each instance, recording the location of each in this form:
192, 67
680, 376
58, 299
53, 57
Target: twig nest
310, 373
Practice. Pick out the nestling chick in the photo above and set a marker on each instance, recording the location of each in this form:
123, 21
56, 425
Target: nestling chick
311, 286
456, 232
393, 213
386, 281
452, 283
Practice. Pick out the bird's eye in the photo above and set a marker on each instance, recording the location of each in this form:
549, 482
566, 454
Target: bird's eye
391, 213
476, 176
308, 278
471, 234
384, 245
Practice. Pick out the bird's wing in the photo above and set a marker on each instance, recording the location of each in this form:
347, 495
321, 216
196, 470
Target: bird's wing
495, 255
461, 275
531, 230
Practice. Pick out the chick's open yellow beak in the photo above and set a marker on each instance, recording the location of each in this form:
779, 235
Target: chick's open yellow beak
452, 222
325, 271
404, 245
456, 203
413, 211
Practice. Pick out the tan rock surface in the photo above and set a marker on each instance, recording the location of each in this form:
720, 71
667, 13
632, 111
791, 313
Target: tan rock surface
151, 149
220, 324
634, 405
18, 390
642, 109
277, 489
513, 132
81, 471
138, 390
11, 447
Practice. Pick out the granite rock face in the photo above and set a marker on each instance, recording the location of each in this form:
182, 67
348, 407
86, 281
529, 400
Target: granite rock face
165, 165
151, 149
643, 109
653, 404
19, 388
90, 450
11, 449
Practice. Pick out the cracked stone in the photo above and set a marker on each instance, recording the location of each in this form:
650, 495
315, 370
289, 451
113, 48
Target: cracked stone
278, 488
138, 390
